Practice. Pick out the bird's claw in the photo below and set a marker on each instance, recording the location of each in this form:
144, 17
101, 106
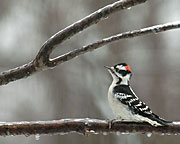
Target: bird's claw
110, 122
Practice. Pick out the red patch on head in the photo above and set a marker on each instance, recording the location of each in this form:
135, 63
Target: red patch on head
128, 68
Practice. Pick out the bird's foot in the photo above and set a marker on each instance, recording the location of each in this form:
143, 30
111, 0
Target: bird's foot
110, 122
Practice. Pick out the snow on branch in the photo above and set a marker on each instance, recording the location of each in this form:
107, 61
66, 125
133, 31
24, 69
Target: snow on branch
83, 126
43, 61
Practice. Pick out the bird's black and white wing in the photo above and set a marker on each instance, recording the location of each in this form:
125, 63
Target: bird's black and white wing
133, 102
138, 107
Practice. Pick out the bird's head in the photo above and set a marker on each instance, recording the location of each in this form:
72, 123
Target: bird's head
121, 73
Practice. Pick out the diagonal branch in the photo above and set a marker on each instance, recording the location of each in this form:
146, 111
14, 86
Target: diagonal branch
58, 38
130, 34
83, 126
42, 60
28, 69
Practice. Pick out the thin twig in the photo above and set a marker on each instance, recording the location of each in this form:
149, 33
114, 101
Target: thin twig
130, 34
83, 126
42, 61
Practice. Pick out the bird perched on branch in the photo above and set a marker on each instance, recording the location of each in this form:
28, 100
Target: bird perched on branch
124, 102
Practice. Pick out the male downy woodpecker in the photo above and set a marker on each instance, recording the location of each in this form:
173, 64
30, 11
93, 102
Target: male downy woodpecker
124, 102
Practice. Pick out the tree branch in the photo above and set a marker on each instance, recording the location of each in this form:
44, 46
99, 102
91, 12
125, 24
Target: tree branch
28, 69
83, 126
42, 61
94, 18
130, 34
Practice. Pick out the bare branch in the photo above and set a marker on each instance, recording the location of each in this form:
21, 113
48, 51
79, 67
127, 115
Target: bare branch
83, 126
42, 61
130, 34
17, 73
28, 69
94, 18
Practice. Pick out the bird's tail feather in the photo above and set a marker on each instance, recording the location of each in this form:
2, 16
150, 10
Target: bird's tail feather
160, 120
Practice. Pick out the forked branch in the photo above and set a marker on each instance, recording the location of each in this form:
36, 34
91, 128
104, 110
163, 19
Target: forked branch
43, 61
28, 69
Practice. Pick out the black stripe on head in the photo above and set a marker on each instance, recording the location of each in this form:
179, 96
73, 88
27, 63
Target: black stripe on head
123, 64
123, 72
120, 64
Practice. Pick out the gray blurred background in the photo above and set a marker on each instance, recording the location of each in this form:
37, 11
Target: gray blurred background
78, 88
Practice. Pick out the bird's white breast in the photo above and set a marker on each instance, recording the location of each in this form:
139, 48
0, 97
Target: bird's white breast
119, 109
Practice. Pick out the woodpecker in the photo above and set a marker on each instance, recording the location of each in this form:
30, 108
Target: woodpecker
123, 101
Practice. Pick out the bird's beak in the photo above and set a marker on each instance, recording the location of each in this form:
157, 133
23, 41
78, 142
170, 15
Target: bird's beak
109, 68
